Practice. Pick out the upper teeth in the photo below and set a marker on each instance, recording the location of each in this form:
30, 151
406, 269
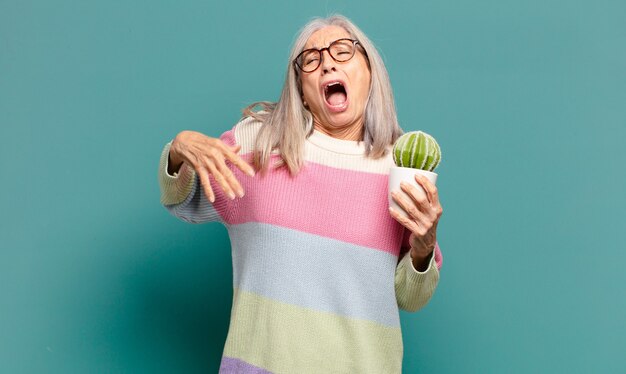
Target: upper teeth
331, 84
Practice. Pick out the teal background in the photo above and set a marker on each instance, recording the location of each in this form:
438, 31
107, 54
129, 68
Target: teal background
528, 102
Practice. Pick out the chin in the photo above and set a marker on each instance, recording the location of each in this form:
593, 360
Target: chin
345, 118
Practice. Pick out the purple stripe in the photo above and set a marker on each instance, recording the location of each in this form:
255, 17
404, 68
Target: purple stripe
236, 366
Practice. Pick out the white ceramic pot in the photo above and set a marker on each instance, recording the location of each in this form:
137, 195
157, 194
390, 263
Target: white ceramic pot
398, 174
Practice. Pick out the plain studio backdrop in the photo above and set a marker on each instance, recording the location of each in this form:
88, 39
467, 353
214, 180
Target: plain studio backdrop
526, 98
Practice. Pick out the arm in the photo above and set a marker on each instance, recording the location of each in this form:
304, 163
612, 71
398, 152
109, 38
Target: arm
417, 273
415, 288
182, 195
186, 190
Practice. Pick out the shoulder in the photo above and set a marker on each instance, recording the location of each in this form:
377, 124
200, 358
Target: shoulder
243, 133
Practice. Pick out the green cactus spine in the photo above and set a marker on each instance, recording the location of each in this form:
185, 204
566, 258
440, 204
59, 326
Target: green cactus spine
417, 150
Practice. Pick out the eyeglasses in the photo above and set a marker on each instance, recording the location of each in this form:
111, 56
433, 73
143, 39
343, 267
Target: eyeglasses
340, 50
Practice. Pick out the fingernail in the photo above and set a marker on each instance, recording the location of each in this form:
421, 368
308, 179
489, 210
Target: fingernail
231, 195
241, 193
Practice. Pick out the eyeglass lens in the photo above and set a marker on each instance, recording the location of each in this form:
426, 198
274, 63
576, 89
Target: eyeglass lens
340, 51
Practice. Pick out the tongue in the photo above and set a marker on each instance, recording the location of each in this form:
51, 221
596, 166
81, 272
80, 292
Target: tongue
337, 98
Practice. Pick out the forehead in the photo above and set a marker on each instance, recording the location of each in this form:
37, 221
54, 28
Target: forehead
323, 37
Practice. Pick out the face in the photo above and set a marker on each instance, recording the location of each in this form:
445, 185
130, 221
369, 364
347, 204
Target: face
336, 93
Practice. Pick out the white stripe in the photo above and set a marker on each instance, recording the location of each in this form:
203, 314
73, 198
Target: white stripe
428, 150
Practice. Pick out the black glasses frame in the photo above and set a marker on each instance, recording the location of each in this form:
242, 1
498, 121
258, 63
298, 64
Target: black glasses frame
355, 44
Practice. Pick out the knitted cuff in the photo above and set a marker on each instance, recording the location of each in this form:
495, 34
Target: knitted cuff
174, 188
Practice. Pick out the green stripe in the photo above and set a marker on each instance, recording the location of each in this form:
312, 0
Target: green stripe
274, 336
174, 189
397, 150
437, 156
406, 150
420, 158
432, 153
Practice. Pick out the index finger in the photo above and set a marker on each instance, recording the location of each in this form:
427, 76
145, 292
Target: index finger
238, 161
429, 187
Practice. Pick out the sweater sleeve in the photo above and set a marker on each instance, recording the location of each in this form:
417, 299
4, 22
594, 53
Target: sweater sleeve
183, 196
414, 289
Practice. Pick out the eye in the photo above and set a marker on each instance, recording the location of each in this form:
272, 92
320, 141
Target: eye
309, 58
342, 49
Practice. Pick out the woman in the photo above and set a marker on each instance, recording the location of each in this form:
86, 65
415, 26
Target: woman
320, 264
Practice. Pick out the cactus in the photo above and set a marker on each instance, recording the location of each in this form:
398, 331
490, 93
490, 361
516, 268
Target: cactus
417, 150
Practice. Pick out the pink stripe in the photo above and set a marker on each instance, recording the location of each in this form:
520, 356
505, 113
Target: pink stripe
319, 200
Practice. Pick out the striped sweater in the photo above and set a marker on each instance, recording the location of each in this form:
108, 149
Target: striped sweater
320, 267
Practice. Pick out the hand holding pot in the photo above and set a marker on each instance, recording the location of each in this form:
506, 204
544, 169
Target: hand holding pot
413, 197
423, 211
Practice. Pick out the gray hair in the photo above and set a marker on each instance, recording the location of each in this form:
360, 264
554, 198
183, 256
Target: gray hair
287, 123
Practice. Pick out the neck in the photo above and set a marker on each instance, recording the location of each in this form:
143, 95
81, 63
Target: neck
353, 132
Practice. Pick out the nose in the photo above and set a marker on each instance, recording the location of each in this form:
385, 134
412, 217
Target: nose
328, 63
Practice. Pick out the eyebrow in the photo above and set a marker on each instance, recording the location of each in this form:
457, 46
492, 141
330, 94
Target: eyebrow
316, 47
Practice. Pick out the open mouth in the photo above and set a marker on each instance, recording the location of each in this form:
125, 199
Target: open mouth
335, 94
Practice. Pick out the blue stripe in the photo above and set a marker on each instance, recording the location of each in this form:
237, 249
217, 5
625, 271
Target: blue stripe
196, 208
315, 272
